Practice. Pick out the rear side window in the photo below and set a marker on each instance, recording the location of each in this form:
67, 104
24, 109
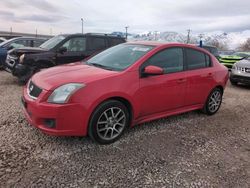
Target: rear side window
197, 59
171, 60
96, 43
114, 41
37, 43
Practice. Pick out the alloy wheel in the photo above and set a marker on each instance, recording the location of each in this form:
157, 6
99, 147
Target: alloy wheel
111, 123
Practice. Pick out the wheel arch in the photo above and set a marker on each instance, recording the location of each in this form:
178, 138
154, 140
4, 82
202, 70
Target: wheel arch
121, 99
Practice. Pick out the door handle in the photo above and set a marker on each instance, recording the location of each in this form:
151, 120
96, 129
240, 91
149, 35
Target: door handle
181, 80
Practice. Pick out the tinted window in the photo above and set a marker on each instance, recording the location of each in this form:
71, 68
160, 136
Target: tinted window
196, 59
77, 44
96, 43
114, 41
171, 60
37, 43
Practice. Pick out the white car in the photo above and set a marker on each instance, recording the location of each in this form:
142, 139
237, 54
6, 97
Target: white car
240, 72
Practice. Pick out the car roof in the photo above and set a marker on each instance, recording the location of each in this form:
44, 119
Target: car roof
159, 44
92, 34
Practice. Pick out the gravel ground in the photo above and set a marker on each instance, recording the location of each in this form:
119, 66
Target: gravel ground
189, 150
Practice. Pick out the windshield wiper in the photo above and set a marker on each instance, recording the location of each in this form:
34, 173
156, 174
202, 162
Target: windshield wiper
100, 66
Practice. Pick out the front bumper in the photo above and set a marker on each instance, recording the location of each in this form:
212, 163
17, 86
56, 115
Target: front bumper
239, 76
68, 119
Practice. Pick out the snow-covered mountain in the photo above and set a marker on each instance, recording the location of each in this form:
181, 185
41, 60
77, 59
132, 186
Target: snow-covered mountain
226, 40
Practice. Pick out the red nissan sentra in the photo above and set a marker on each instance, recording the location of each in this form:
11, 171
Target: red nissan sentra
123, 86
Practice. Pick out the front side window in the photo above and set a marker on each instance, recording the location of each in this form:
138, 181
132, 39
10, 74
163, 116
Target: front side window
19, 43
119, 57
170, 60
196, 59
77, 44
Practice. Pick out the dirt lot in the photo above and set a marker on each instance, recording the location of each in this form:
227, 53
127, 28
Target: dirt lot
189, 150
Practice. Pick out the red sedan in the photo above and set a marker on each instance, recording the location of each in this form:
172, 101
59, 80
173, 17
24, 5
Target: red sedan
123, 86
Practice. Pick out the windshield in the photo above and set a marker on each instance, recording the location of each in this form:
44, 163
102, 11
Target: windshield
51, 43
119, 57
242, 54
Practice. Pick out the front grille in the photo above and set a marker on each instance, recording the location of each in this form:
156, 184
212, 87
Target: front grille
243, 69
241, 78
33, 90
247, 70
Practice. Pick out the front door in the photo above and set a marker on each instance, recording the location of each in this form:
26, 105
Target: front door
165, 92
75, 51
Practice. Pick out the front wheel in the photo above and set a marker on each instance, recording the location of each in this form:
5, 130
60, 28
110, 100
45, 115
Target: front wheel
213, 102
108, 122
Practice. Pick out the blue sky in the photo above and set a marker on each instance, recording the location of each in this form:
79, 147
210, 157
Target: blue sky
64, 16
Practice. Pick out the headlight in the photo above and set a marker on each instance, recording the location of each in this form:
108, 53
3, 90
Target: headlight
234, 66
21, 58
62, 94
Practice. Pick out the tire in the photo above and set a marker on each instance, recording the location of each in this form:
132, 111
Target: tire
108, 122
234, 83
22, 80
213, 102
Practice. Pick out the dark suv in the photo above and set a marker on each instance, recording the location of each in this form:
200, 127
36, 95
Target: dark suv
61, 49
213, 50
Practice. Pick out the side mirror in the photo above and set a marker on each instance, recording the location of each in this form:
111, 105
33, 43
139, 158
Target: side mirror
153, 70
62, 50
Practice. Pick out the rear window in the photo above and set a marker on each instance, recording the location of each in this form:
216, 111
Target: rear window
197, 59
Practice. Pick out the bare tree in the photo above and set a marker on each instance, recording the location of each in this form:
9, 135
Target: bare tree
245, 46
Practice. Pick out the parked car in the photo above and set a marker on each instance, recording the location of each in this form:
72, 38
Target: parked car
229, 60
123, 86
17, 43
62, 49
213, 50
226, 52
240, 72
2, 39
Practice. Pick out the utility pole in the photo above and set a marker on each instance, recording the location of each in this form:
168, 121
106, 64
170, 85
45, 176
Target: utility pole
188, 35
36, 33
155, 35
10, 30
82, 24
126, 32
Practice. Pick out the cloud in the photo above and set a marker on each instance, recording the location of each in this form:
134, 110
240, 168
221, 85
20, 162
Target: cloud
140, 15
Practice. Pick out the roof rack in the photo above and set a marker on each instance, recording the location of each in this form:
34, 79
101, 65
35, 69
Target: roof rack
103, 34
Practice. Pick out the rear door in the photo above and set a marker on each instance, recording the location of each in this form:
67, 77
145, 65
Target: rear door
199, 76
163, 92
76, 48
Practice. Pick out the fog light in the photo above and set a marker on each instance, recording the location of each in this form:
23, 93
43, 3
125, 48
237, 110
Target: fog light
50, 123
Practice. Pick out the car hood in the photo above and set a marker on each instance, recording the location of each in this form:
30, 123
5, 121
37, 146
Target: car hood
27, 50
52, 78
231, 57
245, 63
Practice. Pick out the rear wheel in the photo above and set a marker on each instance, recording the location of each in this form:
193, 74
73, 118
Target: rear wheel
108, 122
213, 102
